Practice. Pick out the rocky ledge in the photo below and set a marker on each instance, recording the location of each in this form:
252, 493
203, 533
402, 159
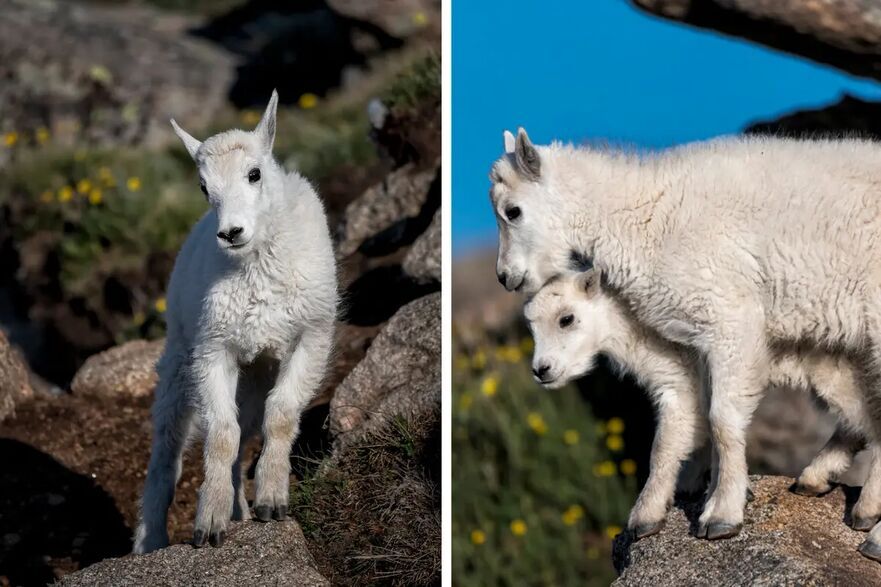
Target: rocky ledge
787, 539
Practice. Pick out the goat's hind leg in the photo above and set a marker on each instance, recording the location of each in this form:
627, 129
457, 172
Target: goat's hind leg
172, 418
834, 460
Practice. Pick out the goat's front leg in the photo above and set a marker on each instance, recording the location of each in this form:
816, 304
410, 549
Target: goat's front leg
298, 380
216, 378
738, 365
679, 424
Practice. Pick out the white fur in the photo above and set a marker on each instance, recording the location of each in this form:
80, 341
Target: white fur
250, 327
730, 246
671, 374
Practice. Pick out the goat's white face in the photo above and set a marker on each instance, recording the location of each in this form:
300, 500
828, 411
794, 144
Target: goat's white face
531, 247
568, 318
239, 177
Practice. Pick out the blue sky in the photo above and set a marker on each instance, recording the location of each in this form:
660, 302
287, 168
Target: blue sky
576, 70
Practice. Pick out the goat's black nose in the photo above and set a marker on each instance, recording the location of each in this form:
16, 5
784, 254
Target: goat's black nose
231, 234
503, 278
540, 371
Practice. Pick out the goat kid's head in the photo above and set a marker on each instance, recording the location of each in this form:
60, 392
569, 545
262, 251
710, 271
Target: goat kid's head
240, 179
569, 322
531, 246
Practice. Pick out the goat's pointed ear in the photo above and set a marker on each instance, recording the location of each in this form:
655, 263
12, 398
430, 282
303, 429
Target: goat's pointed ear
509, 143
266, 128
526, 156
589, 282
189, 141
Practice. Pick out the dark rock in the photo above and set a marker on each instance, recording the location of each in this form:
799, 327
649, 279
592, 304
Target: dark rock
399, 376
423, 260
128, 369
14, 382
390, 214
786, 539
253, 554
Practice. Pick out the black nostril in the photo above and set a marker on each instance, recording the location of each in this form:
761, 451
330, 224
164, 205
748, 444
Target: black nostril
231, 234
503, 278
540, 372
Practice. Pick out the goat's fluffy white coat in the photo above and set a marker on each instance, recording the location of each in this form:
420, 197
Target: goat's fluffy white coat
250, 326
730, 247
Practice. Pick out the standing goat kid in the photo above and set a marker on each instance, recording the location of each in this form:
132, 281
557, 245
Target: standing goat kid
574, 318
251, 308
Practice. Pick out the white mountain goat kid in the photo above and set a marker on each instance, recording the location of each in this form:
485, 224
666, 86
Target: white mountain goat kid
573, 319
730, 247
251, 308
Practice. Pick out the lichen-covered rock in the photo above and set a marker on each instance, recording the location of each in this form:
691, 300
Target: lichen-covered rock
128, 369
423, 260
106, 75
386, 215
254, 554
399, 376
787, 539
399, 19
14, 383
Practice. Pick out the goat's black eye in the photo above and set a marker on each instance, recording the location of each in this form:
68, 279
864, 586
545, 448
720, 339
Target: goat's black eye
512, 212
566, 320
254, 175
203, 188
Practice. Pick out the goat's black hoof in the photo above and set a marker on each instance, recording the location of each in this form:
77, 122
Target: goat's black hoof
199, 538
649, 529
263, 512
217, 538
721, 530
870, 550
280, 513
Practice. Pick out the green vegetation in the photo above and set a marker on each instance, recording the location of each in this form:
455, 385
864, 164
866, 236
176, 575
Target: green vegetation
420, 85
539, 486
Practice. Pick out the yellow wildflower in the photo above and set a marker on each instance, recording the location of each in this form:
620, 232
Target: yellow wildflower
65, 194
106, 177
465, 401
527, 345
615, 443
478, 537
138, 318
478, 361
160, 305
593, 552
10, 138
133, 184
250, 117
570, 437
604, 469
508, 353
47, 196
615, 426
490, 385
42, 135
420, 19
537, 423
307, 101
628, 467
95, 197
612, 531
518, 527
84, 186
572, 514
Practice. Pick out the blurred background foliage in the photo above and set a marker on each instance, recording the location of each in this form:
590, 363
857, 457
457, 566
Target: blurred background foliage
541, 483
